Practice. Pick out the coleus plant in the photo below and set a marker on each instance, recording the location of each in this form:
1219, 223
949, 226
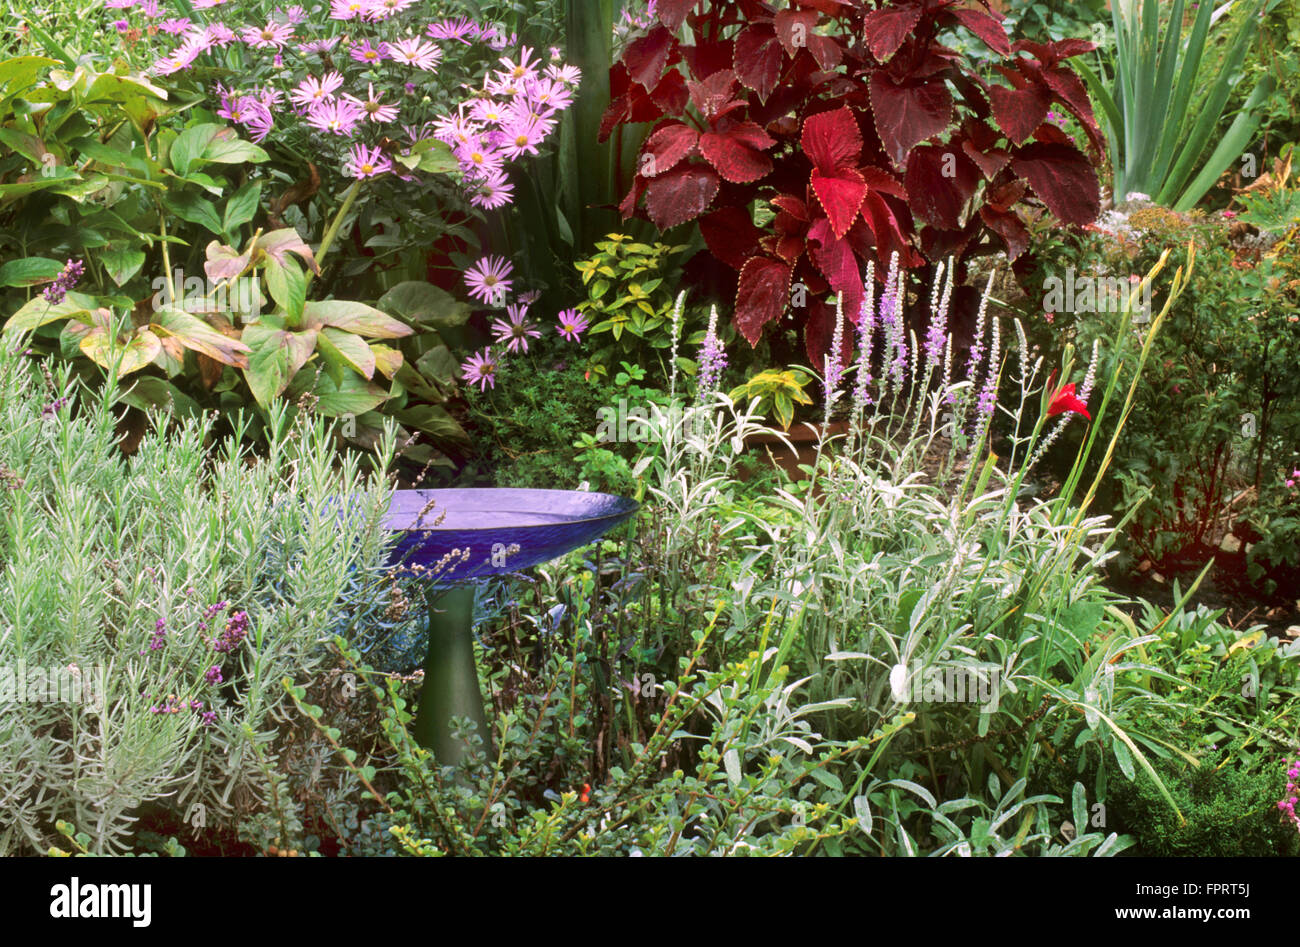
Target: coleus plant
809, 140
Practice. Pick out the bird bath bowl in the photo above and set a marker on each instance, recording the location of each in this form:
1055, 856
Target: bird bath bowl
452, 537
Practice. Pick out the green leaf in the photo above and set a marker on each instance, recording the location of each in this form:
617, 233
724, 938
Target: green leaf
38, 312
417, 301
355, 317
190, 145
287, 284
29, 271
343, 349
226, 147
194, 209
121, 262
437, 157
279, 243
139, 351
434, 421
354, 395
195, 334
276, 354
242, 207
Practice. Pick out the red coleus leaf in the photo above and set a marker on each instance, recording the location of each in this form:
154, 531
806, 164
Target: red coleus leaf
762, 296
1019, 112
793, 27
1063, 179
830, 7
671, 13
908, 114
1052, 53
646, 57
835, 258
681, 195
1005, 193
706, 56
758, 59
1070, 90
991, 162
832, 140
1008, 226
887, 28
883, 182
737, 153
841, 195
713, 96
627, 207
670, 95
987, 28
665, 148
886, 232
941, 182
1064, 399
730, 235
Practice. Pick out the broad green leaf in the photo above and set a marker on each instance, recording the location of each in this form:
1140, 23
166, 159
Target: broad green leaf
148, 392
275, 356
434, 421
242, 207
418, 301
345, 349
439, 365
121, 262
226, 147
140, 351
387, 359
435, 156
29, 271
38, 312
287, 284
353, 396
190, 145
193, 333
355, 317
224, 262
278, 243
194, 209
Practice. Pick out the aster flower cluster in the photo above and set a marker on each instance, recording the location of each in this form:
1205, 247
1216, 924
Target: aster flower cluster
489, 281
383, 91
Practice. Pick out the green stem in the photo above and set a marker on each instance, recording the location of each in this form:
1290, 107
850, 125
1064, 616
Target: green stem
336, 223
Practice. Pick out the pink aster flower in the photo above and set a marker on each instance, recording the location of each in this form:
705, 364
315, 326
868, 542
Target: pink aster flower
516, 329
523, 137
492, 191
347, 9
459, 31
366, 162
178, 59
272, 34
415, 52
206, 4
175, 26
337, 116
148, 9
572, 324
478, 159
456, 130
383, 9
318, 47
375, 110
481, 369
118, 4
218, 34
548, 93
295, 15
488, 279
312, 90
569, 75
488, 111
521, 70
364, 52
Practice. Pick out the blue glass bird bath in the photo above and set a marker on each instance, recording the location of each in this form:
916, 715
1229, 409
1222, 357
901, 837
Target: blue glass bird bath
452, 537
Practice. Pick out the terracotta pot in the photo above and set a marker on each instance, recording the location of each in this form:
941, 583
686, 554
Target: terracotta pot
803, 437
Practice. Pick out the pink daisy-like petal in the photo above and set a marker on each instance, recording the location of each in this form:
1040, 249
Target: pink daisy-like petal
488, 279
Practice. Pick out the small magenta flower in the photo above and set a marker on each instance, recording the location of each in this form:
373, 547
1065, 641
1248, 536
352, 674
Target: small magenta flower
488, 279
572, 324
366, 162
516, 329
481, 369
213, 675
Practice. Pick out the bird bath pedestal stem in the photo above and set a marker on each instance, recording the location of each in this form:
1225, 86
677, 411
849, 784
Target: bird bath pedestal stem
451, 687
